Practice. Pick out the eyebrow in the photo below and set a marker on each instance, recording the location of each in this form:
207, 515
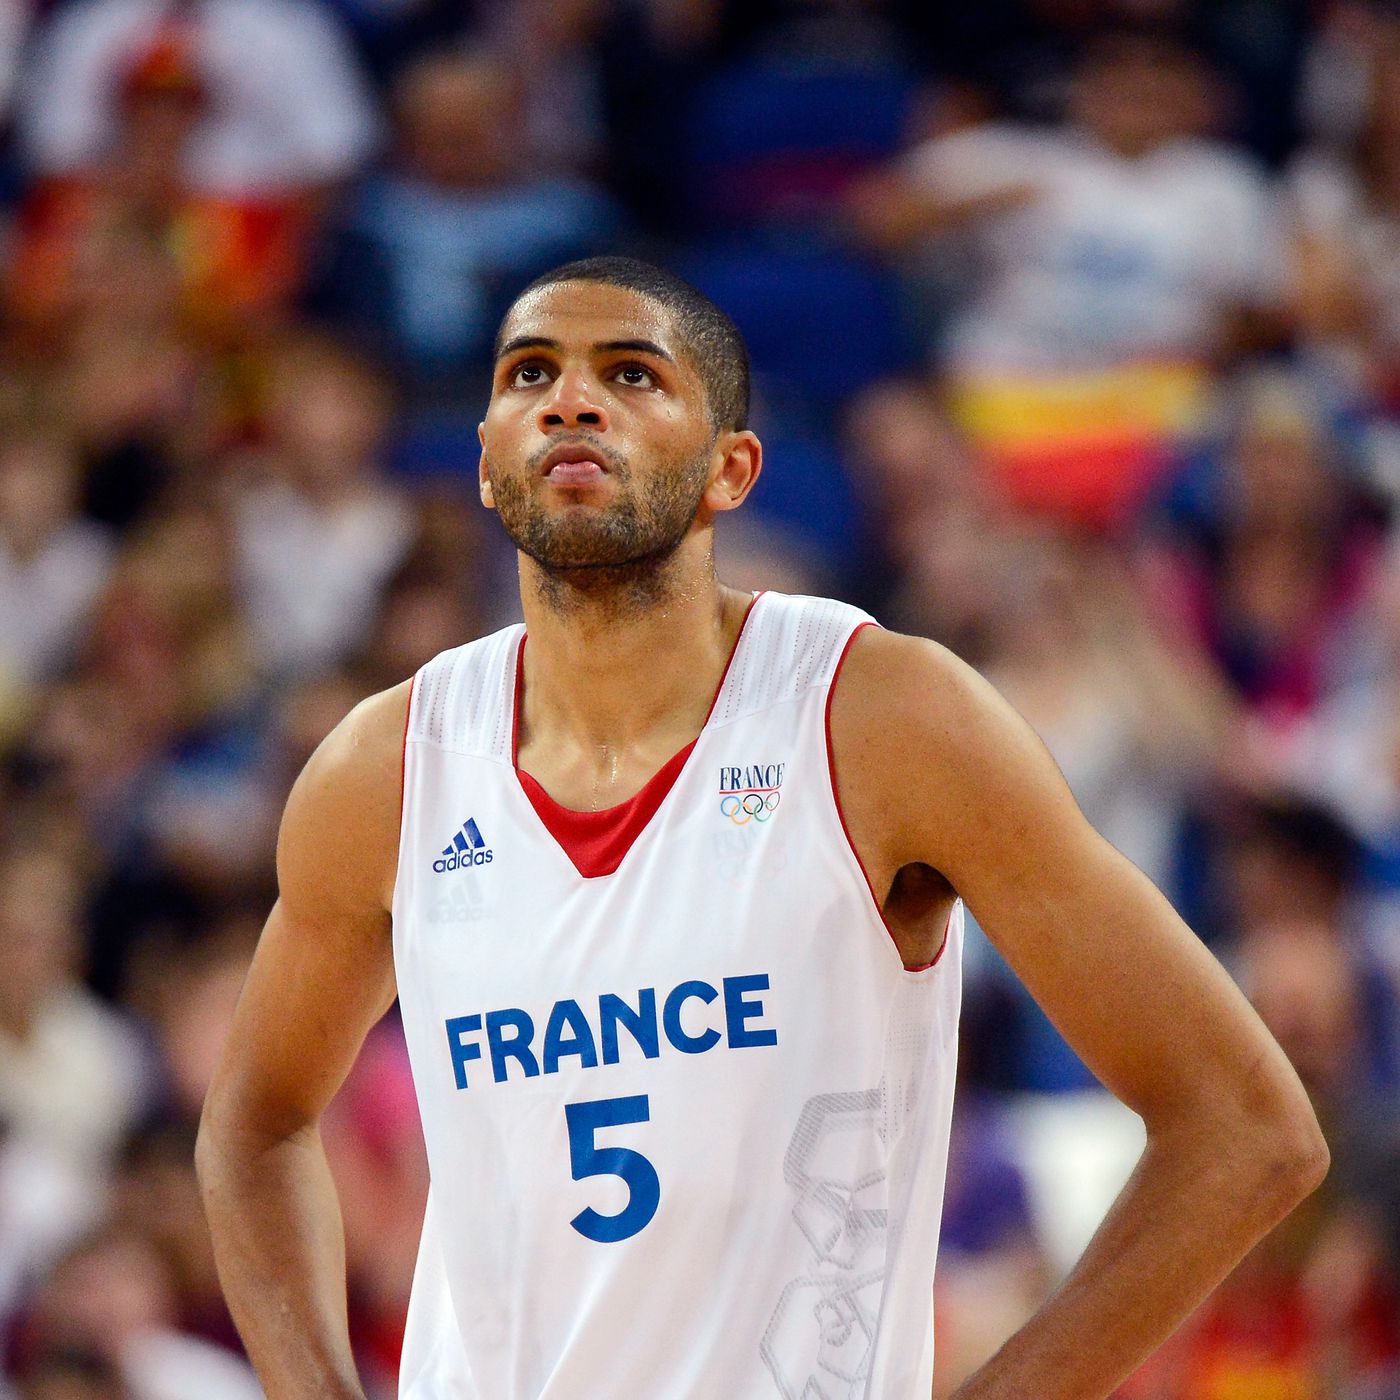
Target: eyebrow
541, 342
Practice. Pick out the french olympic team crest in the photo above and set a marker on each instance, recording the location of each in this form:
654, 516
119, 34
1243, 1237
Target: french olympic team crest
751, 793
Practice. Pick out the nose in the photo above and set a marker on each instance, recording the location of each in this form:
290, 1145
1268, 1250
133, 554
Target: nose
574, 402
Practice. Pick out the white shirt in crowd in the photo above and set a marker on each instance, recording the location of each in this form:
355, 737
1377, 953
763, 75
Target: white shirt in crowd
312, 575
46, 599
289, 106
164, 1365
1109, 258
78, 1082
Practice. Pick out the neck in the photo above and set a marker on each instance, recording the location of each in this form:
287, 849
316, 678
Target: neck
616, 655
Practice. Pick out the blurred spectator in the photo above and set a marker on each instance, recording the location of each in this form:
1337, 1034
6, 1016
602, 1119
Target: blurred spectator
220, 261
1117, 258
47, 1200
429, 248
73, 1075
426, 607
112, 1296
1273, 567
1134, 725
317, 530
236, 255
171, 638
1346, 210
53, 563
154, 1192
555, 52
1286, 859
142, 405
123, 743
86, 751
286, 108
168, 629
929, 512
1334, 92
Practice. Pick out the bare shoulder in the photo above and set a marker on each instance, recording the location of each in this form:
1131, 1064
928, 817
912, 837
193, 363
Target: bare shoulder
342, 817
926, 751
888, 677
366, 747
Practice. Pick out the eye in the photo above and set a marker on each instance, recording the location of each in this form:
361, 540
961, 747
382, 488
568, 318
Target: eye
527, 375
636, 377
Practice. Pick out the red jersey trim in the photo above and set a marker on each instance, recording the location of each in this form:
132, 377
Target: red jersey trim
597, 842
840, 812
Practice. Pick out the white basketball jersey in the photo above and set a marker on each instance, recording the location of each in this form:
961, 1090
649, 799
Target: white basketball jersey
687, 1121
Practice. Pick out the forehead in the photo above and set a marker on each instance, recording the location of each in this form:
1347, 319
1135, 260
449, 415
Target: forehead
580, 314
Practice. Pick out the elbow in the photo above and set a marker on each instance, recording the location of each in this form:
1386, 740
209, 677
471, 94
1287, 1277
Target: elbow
1292, 1157
1312, 1160
235, 1137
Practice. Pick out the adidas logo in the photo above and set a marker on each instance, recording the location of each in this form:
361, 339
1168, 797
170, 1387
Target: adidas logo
468, 848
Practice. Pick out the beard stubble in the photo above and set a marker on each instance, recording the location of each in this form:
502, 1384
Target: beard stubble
621, 549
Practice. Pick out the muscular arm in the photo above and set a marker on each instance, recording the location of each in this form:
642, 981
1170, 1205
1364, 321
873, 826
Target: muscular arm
322, 976
1232, 1143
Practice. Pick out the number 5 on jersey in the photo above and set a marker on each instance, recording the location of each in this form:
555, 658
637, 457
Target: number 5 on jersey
587, 1159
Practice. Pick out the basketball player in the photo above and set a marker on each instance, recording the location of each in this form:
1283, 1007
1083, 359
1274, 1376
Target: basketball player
671, 903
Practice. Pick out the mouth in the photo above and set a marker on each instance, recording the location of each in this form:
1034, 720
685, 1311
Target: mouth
574, 464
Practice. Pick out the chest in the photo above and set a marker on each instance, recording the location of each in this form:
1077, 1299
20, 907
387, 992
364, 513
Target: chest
727, 853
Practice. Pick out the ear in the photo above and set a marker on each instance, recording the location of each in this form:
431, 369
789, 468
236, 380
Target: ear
483, 481
737, 463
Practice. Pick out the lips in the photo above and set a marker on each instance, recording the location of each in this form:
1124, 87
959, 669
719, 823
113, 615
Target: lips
575, 473
574, 464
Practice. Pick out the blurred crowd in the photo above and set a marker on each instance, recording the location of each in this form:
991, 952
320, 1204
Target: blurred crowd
1076, 329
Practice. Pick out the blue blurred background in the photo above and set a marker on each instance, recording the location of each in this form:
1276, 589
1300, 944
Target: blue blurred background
1076, 328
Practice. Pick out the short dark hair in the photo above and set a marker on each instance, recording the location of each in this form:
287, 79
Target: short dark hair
709, 338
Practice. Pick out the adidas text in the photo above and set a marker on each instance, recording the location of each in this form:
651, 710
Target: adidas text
461, 860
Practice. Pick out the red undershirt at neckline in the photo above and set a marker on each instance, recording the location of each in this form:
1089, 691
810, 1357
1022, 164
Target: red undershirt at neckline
597, 842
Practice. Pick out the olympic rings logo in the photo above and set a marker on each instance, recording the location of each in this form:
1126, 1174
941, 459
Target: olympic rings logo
750, 807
